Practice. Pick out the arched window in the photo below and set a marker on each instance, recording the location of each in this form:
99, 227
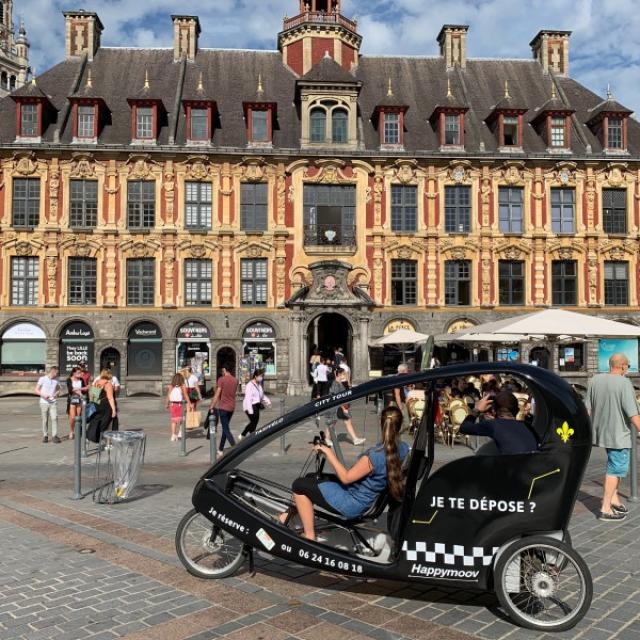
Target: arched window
339, 126
13, 83
4, 80
318, 121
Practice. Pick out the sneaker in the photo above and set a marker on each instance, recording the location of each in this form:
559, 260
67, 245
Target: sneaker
358, 441
71, 436
174, 438
619, 508
45, 439
57, 440
240, 437
612, 517
219, 454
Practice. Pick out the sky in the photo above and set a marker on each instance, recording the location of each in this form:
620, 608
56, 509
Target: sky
604, 49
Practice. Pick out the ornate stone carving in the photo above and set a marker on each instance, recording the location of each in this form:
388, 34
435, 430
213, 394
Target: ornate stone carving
140, 166
25, 166
329, 173
513, 173
281, 190
168, 184
198, 168
254, 251
169, 260
593, 278
54, 188
82, 166
52, 277
458, 174
378, 188
24, 248
82, 249
140, 250
292, 193
405, 171
616, 175
197, 251
590, 196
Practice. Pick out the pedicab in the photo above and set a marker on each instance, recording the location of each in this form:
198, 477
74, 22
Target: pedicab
485, 522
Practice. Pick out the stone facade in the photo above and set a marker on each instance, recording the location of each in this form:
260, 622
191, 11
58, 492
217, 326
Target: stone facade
316, 284
14, 51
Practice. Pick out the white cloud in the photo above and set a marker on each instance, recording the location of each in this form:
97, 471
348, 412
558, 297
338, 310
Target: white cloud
605, 45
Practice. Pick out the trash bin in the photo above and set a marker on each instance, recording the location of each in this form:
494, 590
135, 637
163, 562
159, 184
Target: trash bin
118, 465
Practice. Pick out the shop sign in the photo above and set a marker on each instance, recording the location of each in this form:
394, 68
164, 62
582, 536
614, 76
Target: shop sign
193, 331
24, 331
460, 325
145, 330
74, 354
394, 325
77, 331
259, 331
625, 346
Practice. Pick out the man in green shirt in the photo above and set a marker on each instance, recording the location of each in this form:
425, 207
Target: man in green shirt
611, 402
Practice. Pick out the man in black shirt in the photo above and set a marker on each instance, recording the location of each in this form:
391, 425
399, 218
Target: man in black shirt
509, 434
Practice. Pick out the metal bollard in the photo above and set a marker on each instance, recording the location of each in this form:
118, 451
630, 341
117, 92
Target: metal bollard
183, 438
84, 429
212, 438
633, 475
77, 462
283, 444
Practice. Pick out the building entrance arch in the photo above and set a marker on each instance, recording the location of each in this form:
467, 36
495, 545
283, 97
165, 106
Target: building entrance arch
225, 357
110, 359
328, 331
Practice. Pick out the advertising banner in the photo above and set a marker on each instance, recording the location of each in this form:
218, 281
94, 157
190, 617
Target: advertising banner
607, 347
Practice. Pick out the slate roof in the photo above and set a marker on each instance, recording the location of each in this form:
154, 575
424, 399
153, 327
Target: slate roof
230, 79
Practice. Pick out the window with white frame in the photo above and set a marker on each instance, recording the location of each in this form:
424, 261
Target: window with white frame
452, 129
199, 124
391, 128
197, 282
24, 281
86, 121
29, 120
614, 133
558, 131
197, 205
144, 123
253, 282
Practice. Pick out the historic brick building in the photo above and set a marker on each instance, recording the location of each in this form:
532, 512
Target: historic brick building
164, 206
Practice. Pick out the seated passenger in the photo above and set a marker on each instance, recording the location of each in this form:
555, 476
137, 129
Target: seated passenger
352, 491
509, 434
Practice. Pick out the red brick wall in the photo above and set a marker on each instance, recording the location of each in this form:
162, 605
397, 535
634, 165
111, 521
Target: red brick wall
318, 48
348, 56
295, 57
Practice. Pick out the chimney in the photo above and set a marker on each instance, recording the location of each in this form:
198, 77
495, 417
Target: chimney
453, 44
186, 30
551, 50
82, 33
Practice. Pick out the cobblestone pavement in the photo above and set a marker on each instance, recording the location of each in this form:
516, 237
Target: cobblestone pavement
76, 569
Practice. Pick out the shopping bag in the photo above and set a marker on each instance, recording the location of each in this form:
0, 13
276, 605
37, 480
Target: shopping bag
193, 419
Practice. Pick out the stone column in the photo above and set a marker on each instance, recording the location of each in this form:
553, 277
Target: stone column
360, 365
296, 384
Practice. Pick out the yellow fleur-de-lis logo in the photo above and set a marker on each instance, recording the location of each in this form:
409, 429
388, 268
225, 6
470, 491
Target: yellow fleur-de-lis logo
565, 432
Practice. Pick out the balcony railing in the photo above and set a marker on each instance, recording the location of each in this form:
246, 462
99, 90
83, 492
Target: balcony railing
330, 235
320, 17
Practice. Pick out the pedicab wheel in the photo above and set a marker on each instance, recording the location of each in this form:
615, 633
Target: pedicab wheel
205, 550
543, 584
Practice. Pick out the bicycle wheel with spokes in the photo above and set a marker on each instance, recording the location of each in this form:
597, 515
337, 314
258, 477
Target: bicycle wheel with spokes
543, 584
205, 550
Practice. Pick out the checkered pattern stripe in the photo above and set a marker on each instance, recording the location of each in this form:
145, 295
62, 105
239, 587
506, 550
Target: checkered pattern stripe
439, 554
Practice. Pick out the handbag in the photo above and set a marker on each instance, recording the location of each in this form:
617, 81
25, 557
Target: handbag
193, 395
193, 419
75, 400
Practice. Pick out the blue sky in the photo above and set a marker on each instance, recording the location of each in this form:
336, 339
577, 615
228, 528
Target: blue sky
605, 45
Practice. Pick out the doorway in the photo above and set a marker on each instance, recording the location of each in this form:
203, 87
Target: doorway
540, 356
328, 331
226, 357
110, 359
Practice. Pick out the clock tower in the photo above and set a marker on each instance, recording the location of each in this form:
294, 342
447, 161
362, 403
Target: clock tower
319, 28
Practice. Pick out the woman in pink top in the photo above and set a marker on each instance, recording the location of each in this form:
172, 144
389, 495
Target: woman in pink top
254, 398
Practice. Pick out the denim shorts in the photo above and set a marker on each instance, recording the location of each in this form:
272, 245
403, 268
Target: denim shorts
617, 462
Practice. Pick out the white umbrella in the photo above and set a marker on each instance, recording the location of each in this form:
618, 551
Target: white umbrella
481, 337
401, 336
555, 323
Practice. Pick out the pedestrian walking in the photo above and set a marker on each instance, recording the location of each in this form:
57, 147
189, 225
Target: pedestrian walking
346, 369
106, 413
177, 394
48, 389
193, 387
340, 384
224, 402
322, 378
75, 398
612, 405
255, 399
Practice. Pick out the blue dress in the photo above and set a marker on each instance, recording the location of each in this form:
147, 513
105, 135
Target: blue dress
352, 500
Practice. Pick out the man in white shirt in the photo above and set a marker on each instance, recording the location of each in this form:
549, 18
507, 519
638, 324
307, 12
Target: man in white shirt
321, 378
48, 389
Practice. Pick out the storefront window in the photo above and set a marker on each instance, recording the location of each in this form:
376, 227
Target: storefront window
259, 350
507, 354
570, 357
23, 350
144, 350
193, 348
76, 347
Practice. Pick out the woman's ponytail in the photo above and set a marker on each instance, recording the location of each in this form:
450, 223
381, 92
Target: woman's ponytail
391, 422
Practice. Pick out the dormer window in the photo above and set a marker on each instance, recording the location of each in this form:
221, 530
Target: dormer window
510, 132
609, 123
615, 138
199, 124
259, 126
29, 120
318, 120
557, 131
391, 130
144, 123
86, 121
452, 129
339, 126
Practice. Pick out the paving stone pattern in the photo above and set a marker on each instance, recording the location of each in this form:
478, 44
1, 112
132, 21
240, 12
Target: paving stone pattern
75, 569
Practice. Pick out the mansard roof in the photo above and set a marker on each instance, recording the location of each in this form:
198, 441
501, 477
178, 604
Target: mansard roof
328, 71
230, 79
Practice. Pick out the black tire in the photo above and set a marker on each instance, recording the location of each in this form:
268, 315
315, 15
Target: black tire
205, 550
527, 583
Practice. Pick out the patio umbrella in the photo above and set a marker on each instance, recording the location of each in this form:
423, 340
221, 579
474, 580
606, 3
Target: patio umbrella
554, 323
481, 337
401, 337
